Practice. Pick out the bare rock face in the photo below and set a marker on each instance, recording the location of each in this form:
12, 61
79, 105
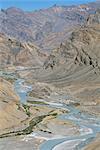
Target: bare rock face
13, 52
82, 49
10, 115
75, 65
79, 54
46, 27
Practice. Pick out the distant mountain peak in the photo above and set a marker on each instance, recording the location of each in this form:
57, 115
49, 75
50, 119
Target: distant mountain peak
46, 27
55, 5
13, 10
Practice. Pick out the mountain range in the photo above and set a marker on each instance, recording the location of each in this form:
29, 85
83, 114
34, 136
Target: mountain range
46, 28
73, 62
57, 51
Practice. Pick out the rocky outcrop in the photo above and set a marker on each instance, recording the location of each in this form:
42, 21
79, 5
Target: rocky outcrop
16, 53
79, 49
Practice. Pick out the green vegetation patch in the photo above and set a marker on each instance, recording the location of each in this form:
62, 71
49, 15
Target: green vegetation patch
29, 129
11, 80
27, 109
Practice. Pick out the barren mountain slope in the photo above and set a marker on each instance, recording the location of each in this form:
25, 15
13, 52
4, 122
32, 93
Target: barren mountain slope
70, 75
16, 53
75, 65
10, 115
46, 27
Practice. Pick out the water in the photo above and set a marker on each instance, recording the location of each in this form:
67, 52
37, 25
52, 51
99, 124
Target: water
88, 125
22, 90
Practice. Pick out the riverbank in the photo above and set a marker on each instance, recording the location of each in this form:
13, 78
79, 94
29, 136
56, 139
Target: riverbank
54, 119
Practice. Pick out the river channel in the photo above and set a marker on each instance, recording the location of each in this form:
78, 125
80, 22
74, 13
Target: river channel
88, 125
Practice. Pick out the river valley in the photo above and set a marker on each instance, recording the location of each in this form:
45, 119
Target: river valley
50, 77
87, 127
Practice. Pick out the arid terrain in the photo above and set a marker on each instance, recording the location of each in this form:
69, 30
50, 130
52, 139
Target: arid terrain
50, 78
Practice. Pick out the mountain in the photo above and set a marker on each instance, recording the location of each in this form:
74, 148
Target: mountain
57, 52
75, 64
81, 49
46, 27
16, 53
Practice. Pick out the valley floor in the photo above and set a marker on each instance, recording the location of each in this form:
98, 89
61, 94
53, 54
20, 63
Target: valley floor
55, 119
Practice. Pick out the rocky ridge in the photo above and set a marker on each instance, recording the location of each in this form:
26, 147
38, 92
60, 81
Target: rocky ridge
75, 65
80, 50
16, 53
46, 27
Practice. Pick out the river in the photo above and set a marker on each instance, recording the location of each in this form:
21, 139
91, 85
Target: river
22, 89
88, 125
